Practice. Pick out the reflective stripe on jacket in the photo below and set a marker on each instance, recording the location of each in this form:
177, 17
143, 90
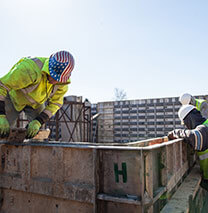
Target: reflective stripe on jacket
203, 159
198, 103
203, 162
27, 84
198, 139
202, 106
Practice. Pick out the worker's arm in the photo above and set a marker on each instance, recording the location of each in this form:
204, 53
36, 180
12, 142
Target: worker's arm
196, 138
56, 101
54, 104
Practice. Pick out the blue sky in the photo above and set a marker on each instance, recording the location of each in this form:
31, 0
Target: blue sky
149, 48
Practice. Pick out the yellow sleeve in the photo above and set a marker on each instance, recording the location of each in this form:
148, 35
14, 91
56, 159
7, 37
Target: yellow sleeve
56, 101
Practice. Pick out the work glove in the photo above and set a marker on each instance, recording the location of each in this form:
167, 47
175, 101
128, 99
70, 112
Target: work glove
171, 135
4, 126
34, 126
33, 129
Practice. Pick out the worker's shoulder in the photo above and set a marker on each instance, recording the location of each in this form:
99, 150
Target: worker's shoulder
42, 59
204, 103
202, 128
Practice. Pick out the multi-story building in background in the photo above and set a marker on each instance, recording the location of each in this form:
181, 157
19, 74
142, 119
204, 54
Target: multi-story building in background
132, 120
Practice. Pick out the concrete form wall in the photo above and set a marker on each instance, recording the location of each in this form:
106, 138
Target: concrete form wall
125, 121
45, 179
58, 177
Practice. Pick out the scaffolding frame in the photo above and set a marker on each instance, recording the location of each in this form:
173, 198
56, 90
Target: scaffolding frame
81, 119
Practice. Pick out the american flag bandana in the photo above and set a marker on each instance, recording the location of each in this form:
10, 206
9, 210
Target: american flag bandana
61, 65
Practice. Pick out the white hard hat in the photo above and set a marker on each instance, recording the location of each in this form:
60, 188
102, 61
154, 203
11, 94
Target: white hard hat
184, 111
185, 98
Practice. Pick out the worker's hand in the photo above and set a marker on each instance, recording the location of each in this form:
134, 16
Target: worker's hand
33, 128
4, 126
171, 135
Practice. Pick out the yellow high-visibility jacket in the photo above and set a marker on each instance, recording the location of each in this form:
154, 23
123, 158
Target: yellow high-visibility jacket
202, 106
27, 85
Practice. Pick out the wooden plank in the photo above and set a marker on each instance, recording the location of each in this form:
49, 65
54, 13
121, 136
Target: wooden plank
100, 185
130, 199
25, 202
19, 135
114, 207
148, 162
164, 162
95, 178
29, 169
176, 177
180, 200
42, 135
16, 135
156, 167
184, 153
148, 158
178, 156
169, 161
149, 142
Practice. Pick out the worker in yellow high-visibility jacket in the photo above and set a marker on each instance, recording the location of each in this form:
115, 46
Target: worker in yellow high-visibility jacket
200, 104
29, 85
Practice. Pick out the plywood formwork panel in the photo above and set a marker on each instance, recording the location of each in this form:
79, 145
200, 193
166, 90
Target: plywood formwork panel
129, 176
114, 207
52, 171
122, 173
187, 197
23, 202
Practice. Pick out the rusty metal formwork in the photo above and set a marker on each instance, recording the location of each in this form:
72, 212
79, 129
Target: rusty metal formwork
72, 122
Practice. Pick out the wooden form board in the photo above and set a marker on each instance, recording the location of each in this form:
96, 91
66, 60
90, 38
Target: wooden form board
180, 202
105, 122
19, 135
156, 172
102, 178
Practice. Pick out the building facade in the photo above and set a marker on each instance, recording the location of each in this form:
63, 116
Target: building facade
133, 120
